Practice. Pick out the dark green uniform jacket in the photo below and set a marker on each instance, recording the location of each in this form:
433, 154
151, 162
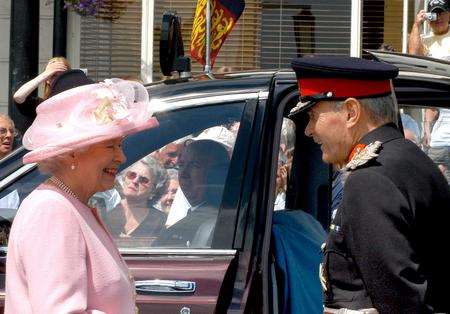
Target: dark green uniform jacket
388, 240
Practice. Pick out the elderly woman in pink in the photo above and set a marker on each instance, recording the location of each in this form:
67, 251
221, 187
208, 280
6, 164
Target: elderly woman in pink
61, 258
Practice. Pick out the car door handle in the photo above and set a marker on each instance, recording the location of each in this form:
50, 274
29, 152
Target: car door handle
158, 286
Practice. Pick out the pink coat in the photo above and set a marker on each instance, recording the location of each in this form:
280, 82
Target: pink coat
61, 260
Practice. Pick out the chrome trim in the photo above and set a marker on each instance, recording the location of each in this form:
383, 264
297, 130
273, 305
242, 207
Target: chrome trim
406, 74
12, 154
195, 96
161, 286
13, 176
157, 251
263, 95
166, 104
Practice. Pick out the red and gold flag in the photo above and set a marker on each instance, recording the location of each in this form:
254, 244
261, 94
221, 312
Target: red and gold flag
224, 15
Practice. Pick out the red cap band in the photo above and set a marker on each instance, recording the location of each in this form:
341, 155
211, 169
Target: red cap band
343, 88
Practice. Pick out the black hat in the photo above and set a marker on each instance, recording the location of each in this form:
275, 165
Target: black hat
67, 80
340, 77
437, 5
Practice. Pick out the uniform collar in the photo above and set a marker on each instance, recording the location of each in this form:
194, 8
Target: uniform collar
384, 133
369, 145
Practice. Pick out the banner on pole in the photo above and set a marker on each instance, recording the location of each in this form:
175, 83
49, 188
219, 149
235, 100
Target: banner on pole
224, 15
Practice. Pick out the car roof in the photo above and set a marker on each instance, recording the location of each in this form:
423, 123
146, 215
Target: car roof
205, 89
414, 64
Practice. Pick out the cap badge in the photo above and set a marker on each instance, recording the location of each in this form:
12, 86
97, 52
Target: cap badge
362, 154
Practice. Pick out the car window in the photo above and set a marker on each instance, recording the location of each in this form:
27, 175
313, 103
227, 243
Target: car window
429, 128
171, 196
285, 155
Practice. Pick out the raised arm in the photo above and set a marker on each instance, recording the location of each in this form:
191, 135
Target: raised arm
415, 45
26, 89
431, 114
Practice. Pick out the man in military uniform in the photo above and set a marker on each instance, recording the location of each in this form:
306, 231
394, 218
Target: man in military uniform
381, 254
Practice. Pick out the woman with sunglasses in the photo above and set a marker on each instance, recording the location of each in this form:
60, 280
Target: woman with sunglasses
61, 257
141, 186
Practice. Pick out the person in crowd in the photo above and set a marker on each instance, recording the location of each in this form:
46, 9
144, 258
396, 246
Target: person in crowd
203, 167
167, 198
386, 47
285, 156
410, 128
26, 103
281, 183
437, 138
381, 253
168, 155
61, 258
140, 188
7, 134
437, 43
234, 127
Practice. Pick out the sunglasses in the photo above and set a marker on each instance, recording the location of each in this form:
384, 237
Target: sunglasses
131, 175
3, 131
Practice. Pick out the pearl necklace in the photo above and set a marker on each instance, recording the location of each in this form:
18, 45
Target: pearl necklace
63, 187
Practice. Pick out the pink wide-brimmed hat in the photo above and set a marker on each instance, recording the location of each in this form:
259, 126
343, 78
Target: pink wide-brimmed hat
86, 115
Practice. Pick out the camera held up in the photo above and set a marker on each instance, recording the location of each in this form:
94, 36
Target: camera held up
431, 16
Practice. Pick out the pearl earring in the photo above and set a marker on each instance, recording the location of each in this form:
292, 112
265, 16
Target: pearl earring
72, 167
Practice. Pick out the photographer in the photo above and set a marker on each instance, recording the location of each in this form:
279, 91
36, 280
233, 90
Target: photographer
437, 43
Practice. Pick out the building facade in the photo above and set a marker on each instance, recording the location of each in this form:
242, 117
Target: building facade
268, 35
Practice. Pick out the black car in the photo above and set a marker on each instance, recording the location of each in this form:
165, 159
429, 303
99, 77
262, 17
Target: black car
229, 265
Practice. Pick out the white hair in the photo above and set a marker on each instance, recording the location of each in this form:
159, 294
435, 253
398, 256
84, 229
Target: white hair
381, 110
59, 163
7, 118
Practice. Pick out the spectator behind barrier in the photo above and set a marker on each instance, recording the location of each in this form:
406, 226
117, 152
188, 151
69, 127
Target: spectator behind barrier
140, 188
436, 44
27, 104
7, 134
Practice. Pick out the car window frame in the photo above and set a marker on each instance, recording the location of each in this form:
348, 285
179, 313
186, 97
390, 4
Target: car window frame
222, 245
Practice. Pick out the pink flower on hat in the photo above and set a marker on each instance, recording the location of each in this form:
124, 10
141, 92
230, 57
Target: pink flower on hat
113, 106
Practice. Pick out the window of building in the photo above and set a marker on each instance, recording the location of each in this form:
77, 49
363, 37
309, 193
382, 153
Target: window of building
239, 52
298, 28
112, 48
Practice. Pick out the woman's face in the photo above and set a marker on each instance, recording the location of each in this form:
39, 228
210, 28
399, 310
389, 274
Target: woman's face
138, 182
97, 166
167, 199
